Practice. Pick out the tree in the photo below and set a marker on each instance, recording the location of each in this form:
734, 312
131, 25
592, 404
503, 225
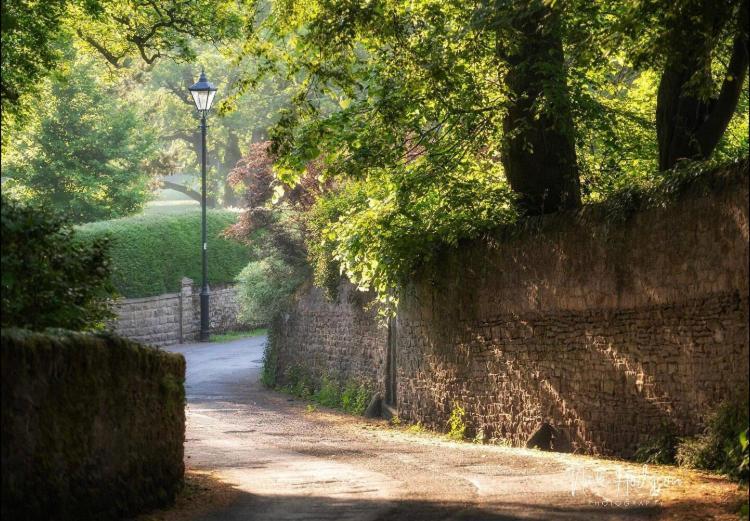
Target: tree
539, 138
687, 40
49, 279
428, 86
88, 153
29, 30
118, 31
164, 91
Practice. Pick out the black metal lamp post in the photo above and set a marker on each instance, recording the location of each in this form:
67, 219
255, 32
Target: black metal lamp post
203, 94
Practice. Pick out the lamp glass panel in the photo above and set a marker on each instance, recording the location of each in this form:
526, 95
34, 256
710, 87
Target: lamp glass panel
201, 98
210, 99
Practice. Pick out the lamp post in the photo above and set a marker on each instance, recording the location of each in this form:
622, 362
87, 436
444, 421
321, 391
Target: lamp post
203, 94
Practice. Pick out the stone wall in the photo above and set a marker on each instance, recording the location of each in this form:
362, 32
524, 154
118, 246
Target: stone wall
606, 331
340, 339
175, 317
93, 426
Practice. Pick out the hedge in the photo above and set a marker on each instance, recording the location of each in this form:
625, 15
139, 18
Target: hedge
93, 426
151, 253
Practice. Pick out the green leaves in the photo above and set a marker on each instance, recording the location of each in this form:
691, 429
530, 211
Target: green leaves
380, 231
49, 277
87, 152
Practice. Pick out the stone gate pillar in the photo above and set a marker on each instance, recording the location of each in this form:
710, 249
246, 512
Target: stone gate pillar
187, 327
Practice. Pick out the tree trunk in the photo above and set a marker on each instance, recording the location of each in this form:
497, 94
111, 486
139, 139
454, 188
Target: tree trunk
539, 146
210, 201
689, 126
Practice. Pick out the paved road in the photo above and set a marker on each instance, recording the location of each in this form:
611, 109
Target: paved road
292, 464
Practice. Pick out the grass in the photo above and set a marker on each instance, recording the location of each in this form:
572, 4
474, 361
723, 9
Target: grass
237, 335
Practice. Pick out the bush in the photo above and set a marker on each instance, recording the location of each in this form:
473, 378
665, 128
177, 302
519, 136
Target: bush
270, 361
355, 398
49, 279
151, 253
720, 447
352, 397
264, 287
659, 450
92, 426
329, 394
457, 423
299, 382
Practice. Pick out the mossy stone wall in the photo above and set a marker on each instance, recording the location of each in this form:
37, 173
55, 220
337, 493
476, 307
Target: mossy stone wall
93, 426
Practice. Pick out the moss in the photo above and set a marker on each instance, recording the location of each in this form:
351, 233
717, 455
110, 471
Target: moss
92, 426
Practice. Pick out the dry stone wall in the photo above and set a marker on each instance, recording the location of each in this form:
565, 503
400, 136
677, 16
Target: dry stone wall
174, 318
340, 339
607, 331
93, 426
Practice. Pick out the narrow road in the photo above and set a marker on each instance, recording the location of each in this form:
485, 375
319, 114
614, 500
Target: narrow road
291, 463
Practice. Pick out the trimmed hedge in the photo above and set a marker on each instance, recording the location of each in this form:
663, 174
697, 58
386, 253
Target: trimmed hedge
93, 426
151, 253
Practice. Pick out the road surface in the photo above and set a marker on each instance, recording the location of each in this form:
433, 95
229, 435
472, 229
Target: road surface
289, 463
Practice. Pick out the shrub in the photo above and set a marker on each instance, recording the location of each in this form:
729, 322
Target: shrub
299, 382
49, 279
354, 398
659, 450
329, 394
264, 287
456, 423
151, 253
270, 362
720, 447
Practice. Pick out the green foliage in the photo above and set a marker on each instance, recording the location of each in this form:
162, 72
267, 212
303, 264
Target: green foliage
355, 398
457, 423
151, 253
661, 449
720, 447
380, 237
352, 397
264, 287
329, 394
29, 31
117, 32
269, 367
55, 465
416, 428
49, 278
86, 152
299, 382
403, 103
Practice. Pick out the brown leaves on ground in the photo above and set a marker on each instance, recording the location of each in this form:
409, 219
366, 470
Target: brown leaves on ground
203, 492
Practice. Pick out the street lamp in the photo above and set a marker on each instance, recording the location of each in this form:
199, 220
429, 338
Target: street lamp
203, 94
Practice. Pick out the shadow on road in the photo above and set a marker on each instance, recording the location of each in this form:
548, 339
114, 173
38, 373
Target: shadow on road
247, 507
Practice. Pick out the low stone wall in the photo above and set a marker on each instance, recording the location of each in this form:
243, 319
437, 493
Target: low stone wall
174, 318
607, 331
92, 426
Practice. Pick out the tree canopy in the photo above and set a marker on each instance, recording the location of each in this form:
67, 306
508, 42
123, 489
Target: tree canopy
86, 154
369, 135
441, 121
